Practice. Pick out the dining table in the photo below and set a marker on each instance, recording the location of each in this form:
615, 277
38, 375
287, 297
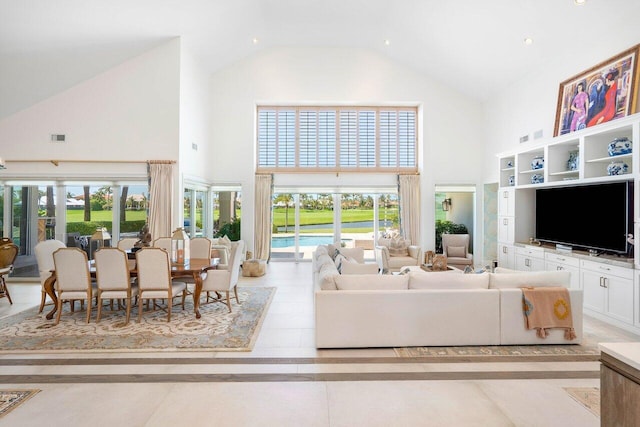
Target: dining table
191, 268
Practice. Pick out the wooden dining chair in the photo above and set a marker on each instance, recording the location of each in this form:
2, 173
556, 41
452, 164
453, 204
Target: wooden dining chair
8, 254
44, 257
113, 279
164, 243
200, 247
154, 279
127, 243
73, 280
217, 281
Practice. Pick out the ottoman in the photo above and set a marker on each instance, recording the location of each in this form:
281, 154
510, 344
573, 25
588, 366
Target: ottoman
254, 267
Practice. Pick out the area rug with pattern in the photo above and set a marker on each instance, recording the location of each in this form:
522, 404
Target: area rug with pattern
11, 399
589, 397
513, 353
216, 330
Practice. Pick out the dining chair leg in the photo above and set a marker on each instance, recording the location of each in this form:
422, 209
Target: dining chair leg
59, 311
99, 315
88, 310
128, 302
184, 296
169, 312
6, 290
140, 307
228, 301
42, 301
235, 291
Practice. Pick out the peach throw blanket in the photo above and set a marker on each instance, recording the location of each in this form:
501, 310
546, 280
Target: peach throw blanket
546, 308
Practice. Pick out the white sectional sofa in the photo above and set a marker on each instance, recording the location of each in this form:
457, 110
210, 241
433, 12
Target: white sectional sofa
430, 309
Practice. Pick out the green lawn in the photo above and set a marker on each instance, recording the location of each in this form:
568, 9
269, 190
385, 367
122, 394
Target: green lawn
309, 217
77, 215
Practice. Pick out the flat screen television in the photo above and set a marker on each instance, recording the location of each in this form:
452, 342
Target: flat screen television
593, 216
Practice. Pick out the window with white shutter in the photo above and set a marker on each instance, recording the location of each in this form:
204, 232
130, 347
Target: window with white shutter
294, 139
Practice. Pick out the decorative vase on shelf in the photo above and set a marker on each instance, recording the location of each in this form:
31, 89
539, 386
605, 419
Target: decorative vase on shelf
537, 178
537, 162
620, 146
572, 163
617, 167
512, 180
510, 163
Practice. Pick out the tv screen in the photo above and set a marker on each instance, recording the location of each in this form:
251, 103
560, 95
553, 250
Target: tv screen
595, 216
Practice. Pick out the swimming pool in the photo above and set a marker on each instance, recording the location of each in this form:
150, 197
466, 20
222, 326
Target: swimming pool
289, 241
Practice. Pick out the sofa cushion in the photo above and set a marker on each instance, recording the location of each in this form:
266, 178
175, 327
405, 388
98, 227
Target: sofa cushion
321, 250
529, 278
500, 270
356, 254
326, 277
224, 240
370, 282
447, 280
456, 251
398, 246
333, 249
358, 268
340, 260
322, 260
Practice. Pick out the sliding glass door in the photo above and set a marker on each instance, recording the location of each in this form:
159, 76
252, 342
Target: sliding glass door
33, 212
302, 221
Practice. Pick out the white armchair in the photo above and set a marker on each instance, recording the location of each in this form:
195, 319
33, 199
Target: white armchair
395, 253
456, 248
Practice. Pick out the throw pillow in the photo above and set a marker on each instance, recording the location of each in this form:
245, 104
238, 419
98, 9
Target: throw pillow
224, 240
456, 251
339, 259
333, 249
398, 247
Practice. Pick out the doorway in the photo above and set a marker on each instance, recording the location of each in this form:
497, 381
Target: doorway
455, 212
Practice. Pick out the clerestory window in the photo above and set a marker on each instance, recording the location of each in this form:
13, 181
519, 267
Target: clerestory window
380, 139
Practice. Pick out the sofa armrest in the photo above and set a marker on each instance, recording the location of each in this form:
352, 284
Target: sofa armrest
382, 257
415, 252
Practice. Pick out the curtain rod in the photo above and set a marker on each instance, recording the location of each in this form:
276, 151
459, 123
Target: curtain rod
57, 162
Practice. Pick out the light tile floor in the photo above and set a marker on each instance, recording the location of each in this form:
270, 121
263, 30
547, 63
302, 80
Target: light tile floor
285, 392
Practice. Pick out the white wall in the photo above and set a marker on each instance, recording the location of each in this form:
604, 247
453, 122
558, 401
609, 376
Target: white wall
129, 112
195, 113
449, 122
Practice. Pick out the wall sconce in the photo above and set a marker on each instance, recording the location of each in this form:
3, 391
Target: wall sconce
446, 204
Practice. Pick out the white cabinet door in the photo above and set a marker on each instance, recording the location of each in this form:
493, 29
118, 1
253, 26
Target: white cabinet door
575, 272
506, 202
609, 290
506, 229
527, 263
620, 299
506, 256
594, 292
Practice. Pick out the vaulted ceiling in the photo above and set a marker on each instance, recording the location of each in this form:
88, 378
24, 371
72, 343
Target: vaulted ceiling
477, 46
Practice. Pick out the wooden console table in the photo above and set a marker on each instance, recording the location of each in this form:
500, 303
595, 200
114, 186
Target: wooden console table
620, 384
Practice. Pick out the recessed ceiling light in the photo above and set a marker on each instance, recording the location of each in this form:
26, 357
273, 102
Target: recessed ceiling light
387, 42
528, 41
255, 40
579, 2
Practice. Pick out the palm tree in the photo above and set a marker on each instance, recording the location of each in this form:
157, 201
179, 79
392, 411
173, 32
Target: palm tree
285, 198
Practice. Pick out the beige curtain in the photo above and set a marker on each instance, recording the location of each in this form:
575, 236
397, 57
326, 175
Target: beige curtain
409, 194
262, 222
160, 198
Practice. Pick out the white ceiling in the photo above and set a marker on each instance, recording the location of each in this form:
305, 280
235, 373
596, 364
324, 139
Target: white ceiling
47, 46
